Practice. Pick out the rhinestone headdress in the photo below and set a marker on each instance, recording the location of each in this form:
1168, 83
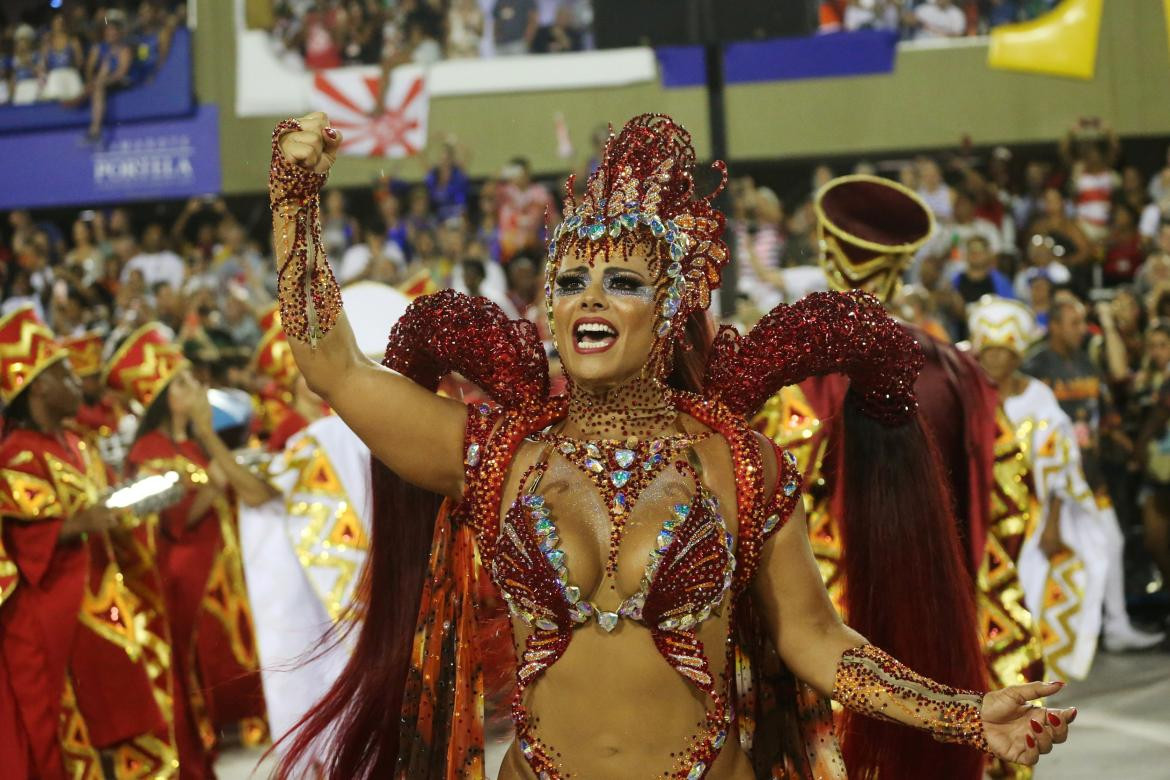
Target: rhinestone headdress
643, 191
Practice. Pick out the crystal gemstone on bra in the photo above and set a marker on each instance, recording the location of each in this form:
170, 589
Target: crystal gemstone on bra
624, 458
607, 620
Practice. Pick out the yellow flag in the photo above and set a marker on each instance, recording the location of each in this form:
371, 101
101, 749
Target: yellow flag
1166, 16
1062, 42
420, 283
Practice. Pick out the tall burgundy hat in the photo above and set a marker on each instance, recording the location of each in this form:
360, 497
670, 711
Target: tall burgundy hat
868, 229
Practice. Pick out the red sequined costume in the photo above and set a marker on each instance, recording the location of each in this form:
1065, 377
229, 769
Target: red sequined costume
217, 681
84, 656
642, 193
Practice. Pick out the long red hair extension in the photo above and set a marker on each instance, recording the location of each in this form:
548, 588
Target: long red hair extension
907, 587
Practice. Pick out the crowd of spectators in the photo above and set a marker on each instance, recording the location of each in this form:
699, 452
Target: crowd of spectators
925, 19
1082, 237
74, 51
1084, 241
320, 34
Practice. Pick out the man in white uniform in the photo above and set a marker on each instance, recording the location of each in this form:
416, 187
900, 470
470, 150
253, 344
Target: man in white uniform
1075, 545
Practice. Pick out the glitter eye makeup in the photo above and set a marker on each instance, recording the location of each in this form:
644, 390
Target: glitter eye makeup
572, 282
615, 281
620, 282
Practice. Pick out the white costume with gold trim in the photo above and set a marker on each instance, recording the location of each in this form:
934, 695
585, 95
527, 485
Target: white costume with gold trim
303, 553
305, 550
1067, 592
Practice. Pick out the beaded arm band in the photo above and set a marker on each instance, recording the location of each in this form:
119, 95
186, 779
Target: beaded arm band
309, 296
871, 682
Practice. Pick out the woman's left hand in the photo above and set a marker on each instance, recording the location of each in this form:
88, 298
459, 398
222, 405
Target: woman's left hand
1019, 731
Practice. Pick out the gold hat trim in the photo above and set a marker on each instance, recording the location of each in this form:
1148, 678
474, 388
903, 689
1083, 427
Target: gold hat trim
873, 246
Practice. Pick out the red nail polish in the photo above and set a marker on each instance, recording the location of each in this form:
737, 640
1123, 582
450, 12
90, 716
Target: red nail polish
1053, 719
329, 131
1073, 717
1036, 726
1031, 742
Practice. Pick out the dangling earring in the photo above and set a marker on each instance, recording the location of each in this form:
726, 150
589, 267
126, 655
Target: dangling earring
659, 364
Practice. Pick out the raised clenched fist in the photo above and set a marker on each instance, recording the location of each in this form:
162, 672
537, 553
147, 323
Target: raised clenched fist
313, 147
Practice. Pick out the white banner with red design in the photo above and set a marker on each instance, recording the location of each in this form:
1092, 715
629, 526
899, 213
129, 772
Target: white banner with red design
349, 96
272, 81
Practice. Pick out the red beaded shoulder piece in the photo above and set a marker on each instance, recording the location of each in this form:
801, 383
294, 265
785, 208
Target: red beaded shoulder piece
449, 331
786, 494
824, 333
758, 514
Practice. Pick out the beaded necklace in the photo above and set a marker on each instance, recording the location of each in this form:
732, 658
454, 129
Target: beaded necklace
640, 407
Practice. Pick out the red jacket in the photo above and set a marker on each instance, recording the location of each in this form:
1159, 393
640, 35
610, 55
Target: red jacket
71, 650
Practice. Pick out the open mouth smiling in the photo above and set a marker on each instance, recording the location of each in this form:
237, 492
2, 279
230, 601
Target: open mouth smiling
593, 334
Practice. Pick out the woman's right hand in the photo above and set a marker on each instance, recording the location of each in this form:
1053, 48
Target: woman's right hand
313, 147
201, 414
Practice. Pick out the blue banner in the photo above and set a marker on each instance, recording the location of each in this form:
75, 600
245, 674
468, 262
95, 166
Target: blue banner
150, 160
860, 53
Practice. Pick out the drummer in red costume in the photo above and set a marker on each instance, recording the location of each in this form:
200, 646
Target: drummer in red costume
199, 557
82, 675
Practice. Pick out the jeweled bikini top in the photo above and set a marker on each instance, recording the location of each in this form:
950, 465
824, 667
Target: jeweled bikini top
693, 544
687, 577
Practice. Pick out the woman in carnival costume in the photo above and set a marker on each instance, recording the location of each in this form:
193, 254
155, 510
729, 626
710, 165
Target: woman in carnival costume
1065, 557
217, 683
651, 547
85, 683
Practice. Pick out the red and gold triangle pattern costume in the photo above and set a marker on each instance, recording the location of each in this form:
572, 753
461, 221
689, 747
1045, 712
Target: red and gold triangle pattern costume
84, 652
144, 364
274, 403
217, 681
27, 348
